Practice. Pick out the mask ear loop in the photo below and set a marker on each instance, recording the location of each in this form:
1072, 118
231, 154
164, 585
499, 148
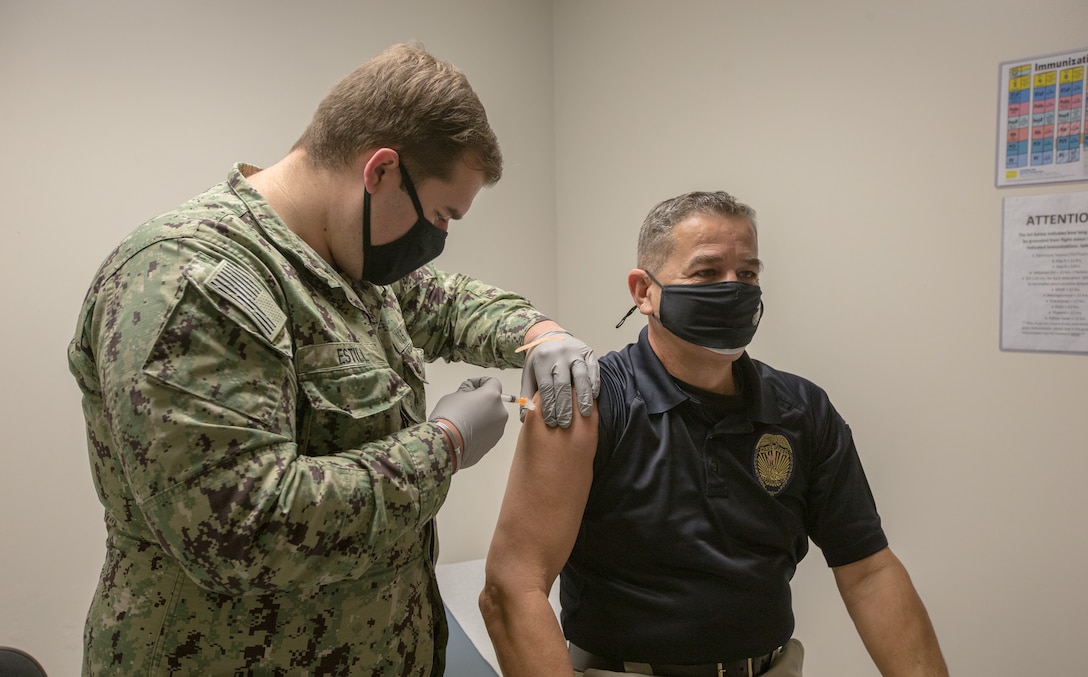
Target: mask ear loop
634, 308
411, 191
624, 318
366, 222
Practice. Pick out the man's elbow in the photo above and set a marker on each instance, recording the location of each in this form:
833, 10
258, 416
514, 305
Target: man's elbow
492, 602
506, 590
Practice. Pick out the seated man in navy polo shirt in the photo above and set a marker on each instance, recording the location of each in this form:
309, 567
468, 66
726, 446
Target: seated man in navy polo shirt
677, 514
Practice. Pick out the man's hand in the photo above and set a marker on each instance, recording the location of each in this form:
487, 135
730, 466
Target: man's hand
551, 366
477, 413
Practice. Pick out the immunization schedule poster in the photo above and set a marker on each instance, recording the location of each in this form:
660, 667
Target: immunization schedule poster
1041, 132
1044, 289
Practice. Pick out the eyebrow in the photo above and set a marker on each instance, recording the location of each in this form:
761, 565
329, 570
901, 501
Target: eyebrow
704, 259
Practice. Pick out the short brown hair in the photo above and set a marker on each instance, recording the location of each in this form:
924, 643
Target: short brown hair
655, 242
407, 100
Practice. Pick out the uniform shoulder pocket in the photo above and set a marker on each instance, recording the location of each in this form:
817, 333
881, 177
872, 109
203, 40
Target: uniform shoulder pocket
210, 347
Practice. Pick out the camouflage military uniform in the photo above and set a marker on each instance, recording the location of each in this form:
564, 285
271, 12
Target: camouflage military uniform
257, 434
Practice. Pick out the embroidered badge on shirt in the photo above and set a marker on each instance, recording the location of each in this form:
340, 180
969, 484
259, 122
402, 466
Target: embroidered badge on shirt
233, 283
773, 462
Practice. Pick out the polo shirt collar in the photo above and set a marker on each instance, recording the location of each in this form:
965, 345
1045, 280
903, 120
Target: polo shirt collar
660, 392
657, 387
761, 396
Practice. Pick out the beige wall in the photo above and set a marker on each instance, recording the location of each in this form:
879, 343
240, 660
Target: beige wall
864, 135
862, 132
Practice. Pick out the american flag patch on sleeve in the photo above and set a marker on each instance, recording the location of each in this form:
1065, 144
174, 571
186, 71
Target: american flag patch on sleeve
236, 285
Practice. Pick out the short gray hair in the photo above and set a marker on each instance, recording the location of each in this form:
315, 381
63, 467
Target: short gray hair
655, 242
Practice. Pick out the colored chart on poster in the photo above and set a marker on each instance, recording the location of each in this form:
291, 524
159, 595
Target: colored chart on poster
1041, 132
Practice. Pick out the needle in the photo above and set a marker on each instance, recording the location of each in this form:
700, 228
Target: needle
520, 401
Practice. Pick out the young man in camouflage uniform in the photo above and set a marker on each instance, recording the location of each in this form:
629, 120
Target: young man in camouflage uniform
252, 369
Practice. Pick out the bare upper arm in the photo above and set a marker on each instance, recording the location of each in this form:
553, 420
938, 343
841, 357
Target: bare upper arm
880, 571
546, 494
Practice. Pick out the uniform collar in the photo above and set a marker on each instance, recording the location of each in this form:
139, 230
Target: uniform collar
660, 392
283, 237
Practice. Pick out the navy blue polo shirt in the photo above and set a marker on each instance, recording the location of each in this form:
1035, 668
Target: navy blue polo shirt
701, 509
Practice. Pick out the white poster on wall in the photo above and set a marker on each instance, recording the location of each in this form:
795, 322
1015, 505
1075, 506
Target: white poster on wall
1044, 289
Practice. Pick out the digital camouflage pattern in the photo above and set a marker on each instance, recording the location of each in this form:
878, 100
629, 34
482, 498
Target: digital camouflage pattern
257, 434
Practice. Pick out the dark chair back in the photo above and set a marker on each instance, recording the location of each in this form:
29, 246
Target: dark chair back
18, 663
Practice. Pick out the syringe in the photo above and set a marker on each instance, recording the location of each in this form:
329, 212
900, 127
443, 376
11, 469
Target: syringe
520, 401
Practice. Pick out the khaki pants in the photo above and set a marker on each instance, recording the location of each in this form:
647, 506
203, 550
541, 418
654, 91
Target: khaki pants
788, 664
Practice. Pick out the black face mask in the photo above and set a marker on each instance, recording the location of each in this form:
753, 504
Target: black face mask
720, 316
386, 263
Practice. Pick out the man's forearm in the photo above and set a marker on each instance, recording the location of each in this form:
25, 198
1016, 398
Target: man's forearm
526, 634
890, 617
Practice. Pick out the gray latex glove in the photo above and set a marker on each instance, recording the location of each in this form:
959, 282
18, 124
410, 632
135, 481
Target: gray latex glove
478, 413
551, 367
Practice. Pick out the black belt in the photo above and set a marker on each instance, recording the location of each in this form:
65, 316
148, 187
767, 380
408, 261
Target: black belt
745, 667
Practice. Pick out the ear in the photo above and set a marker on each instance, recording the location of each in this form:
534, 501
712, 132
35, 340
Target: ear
638, 283
380, 169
